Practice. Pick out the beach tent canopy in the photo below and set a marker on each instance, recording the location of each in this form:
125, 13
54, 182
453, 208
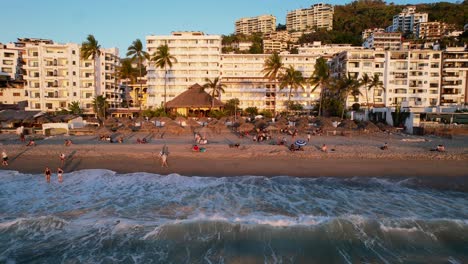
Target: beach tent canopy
194, 97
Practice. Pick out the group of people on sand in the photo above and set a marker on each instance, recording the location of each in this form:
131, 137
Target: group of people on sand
141, 141
200, 140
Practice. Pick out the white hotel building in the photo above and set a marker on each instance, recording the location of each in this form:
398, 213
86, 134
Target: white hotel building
258, 24
11, 61
199, 57
56, 76
411, 77
317, 16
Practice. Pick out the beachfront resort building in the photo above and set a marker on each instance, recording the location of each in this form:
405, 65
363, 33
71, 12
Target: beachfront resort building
454, 90
407, 20
56, 76
197, 55
318, 16
244, 79
11, 61
258, 24
410, 78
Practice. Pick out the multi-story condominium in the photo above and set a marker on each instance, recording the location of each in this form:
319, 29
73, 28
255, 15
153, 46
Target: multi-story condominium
244, 79
11, 92
407, 20
433, 30
280, 41
411, 78
56, 76
367, 32
454, 88
356, 63
11, 61
317, 16
327, 50
198, 57
258, 24
272, 46
383, 40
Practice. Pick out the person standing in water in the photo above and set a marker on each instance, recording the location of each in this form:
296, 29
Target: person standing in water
47, 174
60, 174
163, 154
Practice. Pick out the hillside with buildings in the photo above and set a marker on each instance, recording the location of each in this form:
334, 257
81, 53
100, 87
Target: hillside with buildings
398, 46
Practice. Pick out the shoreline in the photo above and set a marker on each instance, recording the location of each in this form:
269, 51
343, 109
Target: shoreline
361, 156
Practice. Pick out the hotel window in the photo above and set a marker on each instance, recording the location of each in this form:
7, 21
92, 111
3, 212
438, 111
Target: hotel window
74, 62
16, 94
37, 105
48, 105
73, 52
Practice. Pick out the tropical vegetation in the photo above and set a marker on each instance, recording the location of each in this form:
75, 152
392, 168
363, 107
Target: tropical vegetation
216, 87
320, 78
293, 80
271, 68
137, 53
163, 60
100, 107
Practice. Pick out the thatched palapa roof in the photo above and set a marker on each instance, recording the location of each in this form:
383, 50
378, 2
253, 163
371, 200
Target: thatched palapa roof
192, 98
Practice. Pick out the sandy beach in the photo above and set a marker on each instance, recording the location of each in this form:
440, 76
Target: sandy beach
407, 156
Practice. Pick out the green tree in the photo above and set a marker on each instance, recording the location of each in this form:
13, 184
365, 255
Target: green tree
345, 87
365, 81
163, 59
375, 84
74, 108
251, 110
100, 107
216, 87
136, 52
271, 68
232, 105
293, 79
319, 79
127, 72
90, 49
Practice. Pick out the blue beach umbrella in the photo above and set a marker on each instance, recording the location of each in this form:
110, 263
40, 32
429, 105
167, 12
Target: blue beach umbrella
300, 142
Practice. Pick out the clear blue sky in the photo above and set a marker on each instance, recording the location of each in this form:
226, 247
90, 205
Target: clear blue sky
116, 23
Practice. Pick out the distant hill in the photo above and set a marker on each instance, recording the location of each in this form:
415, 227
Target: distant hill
351, 19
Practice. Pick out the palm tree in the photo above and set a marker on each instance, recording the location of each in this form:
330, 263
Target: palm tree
364, 81
90, 49
271, 68
292, 79
217, 88
100, 106
126, 71
346, 86
75, 108
136, 52
162, 59
375, 83
320, 78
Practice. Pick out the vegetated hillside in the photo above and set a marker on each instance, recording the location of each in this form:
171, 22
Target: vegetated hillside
351, 19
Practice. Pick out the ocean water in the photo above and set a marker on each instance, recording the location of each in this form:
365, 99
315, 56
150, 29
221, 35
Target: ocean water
98, 216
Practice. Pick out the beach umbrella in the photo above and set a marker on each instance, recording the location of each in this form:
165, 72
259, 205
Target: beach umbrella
272, 128
246, 127
300, 142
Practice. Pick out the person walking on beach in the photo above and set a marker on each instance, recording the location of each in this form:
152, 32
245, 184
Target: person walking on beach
47, 174
308, 136
62, 158
4, 158
60, 174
